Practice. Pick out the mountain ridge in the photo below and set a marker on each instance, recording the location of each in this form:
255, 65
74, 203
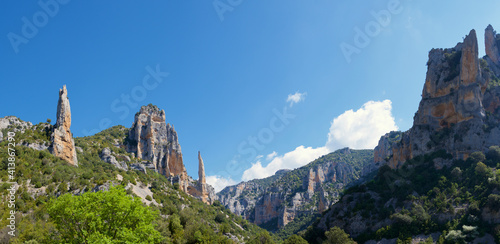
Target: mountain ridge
434, 179
278, 200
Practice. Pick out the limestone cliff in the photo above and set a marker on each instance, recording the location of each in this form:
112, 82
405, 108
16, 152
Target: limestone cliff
452, 113
151, 138
305, 192
63, 145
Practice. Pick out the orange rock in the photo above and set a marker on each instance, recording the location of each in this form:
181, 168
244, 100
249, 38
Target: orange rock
63, 145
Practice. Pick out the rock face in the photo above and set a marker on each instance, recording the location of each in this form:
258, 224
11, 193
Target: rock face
107, 157
201, 189
150, 138
491, 42
13, 124
156, 143
276, 201
63, 145
452, 113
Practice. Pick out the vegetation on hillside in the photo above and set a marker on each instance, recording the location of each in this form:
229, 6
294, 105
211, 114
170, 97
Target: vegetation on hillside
47, 185
421, 199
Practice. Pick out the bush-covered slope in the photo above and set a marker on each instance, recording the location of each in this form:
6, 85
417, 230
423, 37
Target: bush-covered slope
291, 200
41, 177
460, 201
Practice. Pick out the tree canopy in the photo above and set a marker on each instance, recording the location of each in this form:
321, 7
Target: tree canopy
103, 217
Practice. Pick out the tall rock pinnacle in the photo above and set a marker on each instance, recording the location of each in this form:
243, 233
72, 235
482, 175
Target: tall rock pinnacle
201, 170
63, 145
491, 42
469, 68
201, 189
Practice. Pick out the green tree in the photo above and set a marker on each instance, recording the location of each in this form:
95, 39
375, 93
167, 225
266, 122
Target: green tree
493, 154
429, 240
337, 235
261, 238
176, 228
295, 239
482, 170
476, 157
103, 217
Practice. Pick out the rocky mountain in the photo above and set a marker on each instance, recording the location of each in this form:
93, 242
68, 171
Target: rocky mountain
145, 160
40, 178
434, 179
63, 145
151, 138
299, 194
155, 143
458, 109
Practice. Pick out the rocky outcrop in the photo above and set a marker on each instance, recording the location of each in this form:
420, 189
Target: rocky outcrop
37, 146
269, 206
491, 43
63, 145
276, 201
108, 157
240, 199
201, 189
201, 170
14, 124
452, 113
152, 139
453, 88
139, 167
156, 143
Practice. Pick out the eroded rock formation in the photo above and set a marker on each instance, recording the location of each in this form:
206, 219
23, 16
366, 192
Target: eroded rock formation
452, 113
201, 189
108, 157
290, 194
491, 42
152, 139
63, 145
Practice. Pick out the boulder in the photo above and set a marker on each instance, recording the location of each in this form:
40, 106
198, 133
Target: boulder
107, 157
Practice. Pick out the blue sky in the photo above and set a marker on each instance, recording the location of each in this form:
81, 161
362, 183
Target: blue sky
230, 69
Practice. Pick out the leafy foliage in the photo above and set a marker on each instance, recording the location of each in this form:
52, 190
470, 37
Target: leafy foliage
105, 216
337, 236
419, 198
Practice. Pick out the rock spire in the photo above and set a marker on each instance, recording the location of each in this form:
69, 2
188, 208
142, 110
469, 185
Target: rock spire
201, 170
63, 145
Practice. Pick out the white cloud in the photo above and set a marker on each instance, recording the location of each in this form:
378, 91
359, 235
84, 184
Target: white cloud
290, 160
271, 155
296, 98
219, 182
363, 128
359, 129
